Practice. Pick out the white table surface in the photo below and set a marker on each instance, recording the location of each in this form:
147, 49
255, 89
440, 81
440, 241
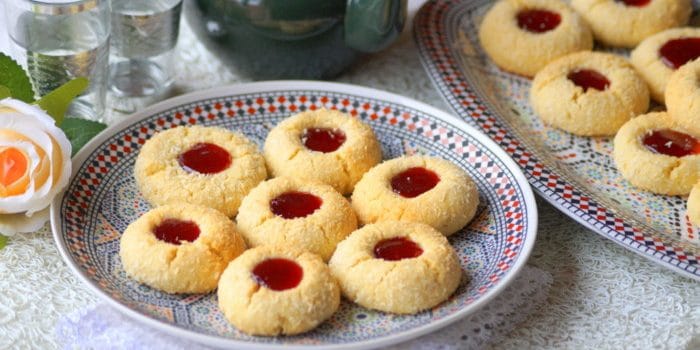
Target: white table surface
603, 296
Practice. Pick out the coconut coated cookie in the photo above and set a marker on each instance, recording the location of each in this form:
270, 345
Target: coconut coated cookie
683, 94
305, 215
589, 93
323, 145
694, 205
625, 23
655, 153
207, 166
417, 188
273, 290
180, 248
397, 267
522, 36
659, 55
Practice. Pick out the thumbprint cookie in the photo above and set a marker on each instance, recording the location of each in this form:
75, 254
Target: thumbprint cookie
655, 153
417, 188
306, 215
683, 94
323, 145
207, 166
589, 93
396, 266
658, 56
625, 23
272, 290
522, 36
180, 248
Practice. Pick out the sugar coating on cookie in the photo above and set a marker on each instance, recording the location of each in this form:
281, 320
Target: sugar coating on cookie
305, 215
322, 145
396, 266
208, 166
436, 192
683, 94
273, 290
180, 248
693, 211
625, 23
522, 36
655, 153
658, 56
589, 93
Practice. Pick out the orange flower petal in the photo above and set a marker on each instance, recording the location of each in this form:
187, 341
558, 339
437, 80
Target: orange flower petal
14, 168
42, 171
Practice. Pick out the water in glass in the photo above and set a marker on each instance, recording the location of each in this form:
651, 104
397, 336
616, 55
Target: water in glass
144, 34
57, 47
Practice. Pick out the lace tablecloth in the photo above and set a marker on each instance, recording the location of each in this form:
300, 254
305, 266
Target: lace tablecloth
601, 295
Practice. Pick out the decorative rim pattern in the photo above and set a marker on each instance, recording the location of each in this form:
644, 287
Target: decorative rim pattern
436, 32
78, 232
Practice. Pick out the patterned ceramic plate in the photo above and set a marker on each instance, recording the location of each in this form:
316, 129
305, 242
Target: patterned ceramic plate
575, 174
102, 199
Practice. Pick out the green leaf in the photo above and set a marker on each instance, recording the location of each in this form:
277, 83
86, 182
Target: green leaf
56, 102
4, 92
3, 241
15, 78
80, 131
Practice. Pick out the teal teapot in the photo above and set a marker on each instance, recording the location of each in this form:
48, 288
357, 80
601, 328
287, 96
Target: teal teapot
294, 39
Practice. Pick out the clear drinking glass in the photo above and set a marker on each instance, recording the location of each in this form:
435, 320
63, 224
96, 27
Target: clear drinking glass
58, 40
144, 34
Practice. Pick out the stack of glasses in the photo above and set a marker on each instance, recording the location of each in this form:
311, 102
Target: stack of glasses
125, 46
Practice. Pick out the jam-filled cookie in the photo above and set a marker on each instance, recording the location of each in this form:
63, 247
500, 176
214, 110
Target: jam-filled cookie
659, 55
589, 93
656, 154
683, 94
522, 36
180, 248
272, 290
306, 215
207, 166
323, 145
694, 205
625, 23
396, 266
417, 188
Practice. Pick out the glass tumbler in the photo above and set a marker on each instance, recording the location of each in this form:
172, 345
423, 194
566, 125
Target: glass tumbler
144, 34
58, 40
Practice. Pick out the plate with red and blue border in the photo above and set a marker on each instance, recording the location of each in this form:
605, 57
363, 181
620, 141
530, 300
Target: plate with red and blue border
102, 199
577, 175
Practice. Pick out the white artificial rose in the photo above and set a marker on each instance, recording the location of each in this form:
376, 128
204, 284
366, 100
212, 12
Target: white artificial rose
34, 166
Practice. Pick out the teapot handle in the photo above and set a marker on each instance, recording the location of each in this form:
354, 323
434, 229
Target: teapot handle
372, 25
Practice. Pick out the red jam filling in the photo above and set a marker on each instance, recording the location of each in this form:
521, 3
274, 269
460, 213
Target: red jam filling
397, 248
293, 205
671, 143
205, 158
587, 79
414, 181
637, 3
538, 21
678, 52
278, 274
323, 140
174, 231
